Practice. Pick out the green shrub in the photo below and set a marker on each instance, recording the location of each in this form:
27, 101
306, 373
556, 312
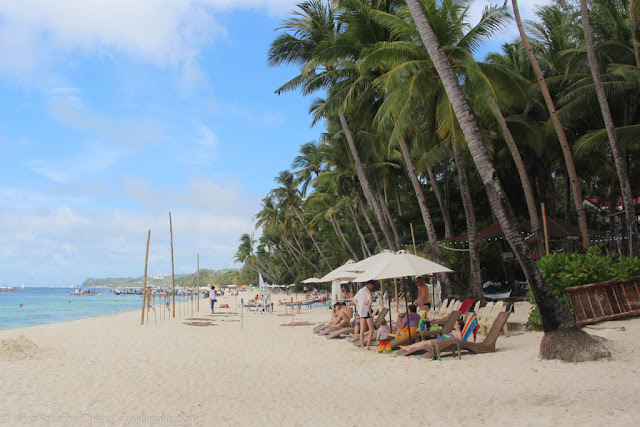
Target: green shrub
561, 271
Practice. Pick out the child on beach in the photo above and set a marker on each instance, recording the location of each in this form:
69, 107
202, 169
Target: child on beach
383, 337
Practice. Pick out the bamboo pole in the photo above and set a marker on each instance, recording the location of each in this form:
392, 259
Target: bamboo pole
546, 232
293, 313
144, 288
155, 312
390, 318
413, 237
173, 270
242, 313
198, 284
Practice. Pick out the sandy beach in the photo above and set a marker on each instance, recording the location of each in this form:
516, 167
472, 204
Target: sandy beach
112, 370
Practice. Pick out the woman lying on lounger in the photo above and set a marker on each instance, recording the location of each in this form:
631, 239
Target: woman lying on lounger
428, 345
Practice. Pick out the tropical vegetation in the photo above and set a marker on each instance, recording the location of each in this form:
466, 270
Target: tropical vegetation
427, 136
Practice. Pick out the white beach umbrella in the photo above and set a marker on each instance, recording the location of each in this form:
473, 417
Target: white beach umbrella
341, 273
398, 264
312, 280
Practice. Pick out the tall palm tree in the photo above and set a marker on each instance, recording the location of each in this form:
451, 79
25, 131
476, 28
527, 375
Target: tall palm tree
554, 315
562, 138
621, 163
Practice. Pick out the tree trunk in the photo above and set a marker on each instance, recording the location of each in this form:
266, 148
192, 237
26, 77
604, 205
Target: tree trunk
342, 236
312, 238
389, 218
553, 314
634, 15
564, 144
363, 207
362, 239
398, 202
448, 226
366, 188
524, 180
621, 164
475, 279
315, 267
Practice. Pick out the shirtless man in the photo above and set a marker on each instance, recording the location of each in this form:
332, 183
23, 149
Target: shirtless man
424, 299
341, 320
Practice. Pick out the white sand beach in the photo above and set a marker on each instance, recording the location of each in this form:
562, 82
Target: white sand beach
110, 369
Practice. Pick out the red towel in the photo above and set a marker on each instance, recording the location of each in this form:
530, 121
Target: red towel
467, 305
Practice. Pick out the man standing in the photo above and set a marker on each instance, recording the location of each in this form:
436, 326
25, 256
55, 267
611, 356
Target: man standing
363, 300
424, 299
212, 296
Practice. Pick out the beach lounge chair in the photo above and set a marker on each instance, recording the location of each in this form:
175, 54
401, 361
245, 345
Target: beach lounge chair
376, 324
424, 336
486, 321
351, 329
488, 345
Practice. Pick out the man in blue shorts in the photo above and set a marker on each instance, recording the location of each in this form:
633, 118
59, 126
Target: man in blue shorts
212, 297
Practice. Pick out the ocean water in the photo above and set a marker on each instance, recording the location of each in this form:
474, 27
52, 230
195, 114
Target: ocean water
52, 305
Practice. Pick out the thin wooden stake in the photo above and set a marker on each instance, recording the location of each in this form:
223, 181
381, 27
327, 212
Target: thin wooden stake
173, 272
144, 289
242, 313
546, 232
395, 283
413, 237
198, 284
155, 312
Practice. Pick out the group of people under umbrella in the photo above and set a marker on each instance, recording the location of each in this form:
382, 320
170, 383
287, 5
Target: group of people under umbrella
385, 265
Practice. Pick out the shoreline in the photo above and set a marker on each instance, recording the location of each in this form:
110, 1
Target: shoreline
111, 366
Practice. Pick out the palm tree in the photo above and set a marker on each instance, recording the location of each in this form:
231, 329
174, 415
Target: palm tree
621, 163
554, 315
562, 138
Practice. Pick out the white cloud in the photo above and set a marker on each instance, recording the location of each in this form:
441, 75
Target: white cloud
37, 237
36, 33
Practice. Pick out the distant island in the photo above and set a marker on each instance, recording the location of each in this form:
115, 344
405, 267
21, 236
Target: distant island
227, 276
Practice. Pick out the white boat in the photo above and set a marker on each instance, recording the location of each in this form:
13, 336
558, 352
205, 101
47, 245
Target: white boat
80, 291
499, 295
8, 289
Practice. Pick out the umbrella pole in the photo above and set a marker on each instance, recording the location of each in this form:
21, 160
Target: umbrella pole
395, 283
390, 317
406, 302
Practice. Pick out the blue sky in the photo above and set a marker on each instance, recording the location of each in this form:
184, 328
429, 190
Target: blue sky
115, 112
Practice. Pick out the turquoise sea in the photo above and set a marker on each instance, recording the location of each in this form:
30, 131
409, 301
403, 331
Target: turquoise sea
52, 305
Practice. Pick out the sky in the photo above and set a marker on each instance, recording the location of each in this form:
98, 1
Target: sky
114, 113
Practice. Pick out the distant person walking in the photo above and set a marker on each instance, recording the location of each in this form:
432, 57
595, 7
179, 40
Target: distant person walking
212, 297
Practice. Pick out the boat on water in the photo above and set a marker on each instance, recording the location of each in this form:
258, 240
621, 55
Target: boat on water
80, 291
498, 295
8, 289
128, 290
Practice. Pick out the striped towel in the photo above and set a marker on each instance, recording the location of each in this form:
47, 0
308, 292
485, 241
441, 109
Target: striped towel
470, 324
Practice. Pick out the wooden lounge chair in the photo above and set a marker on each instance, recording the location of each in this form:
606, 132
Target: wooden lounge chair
351, 329
488, 345
425, 336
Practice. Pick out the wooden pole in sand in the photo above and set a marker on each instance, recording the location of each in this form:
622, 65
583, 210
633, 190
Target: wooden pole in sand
413, 237
173, 271
546, 232
293, 313
242, 313
144, 289
155, 312
198, 284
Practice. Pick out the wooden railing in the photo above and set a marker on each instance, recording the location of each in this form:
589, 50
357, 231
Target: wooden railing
598, 302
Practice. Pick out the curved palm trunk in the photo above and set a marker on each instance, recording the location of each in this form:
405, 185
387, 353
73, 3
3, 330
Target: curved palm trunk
634, 14
341, 235
312, 238
553, 314
444, 209
301, 253
389, 218
618, 157
365, 248
475, 280
527, 188
363, 208
562, 138
426, 215
366, 188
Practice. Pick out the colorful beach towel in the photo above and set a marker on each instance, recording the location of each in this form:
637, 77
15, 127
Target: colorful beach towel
470, 326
